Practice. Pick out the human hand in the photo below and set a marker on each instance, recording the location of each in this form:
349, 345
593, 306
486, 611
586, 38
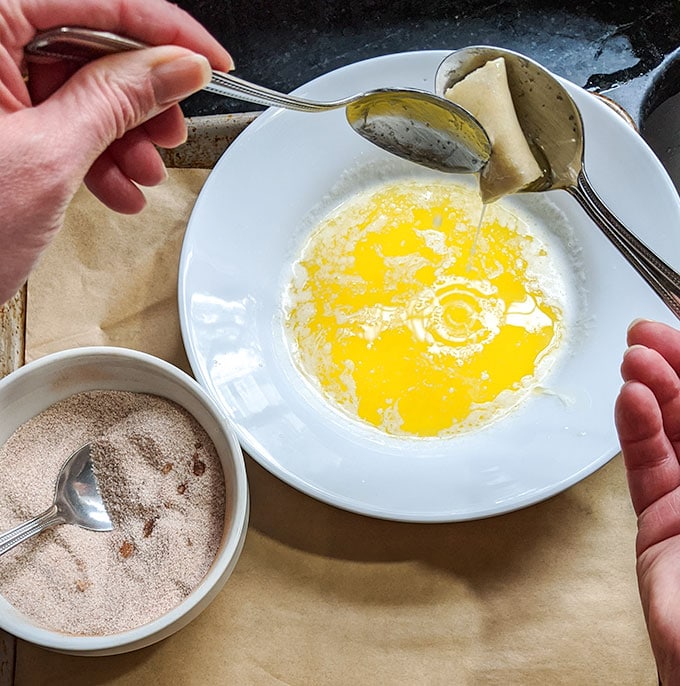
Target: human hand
648, 423
99, 123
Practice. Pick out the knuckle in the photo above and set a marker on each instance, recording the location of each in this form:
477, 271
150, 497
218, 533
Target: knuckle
120, 104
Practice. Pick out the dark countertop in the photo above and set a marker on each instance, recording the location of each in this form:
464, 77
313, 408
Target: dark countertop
620, 48
614, 47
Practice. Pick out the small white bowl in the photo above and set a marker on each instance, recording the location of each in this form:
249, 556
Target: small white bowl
34, 387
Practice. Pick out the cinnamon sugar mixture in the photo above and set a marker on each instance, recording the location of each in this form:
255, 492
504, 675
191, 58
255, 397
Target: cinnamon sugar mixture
163, 487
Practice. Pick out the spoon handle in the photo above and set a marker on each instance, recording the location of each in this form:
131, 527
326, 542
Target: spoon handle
82, 45
662, 278
22, 532
234, 87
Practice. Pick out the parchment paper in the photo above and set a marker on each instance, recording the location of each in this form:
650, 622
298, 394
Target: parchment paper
545, 595
112, 280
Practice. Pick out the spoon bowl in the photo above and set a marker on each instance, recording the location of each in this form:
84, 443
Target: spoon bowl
553, 127
415, 125
548, 115
420, 127
76, 501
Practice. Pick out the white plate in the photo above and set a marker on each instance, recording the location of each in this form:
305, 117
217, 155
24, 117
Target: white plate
245, 230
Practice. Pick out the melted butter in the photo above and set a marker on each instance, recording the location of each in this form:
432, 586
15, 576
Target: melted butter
404, 315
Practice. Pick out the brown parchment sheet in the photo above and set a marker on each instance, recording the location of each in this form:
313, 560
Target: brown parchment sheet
544, 595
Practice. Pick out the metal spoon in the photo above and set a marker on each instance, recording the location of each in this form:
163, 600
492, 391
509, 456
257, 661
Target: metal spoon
553, 126
413, 124
76, 501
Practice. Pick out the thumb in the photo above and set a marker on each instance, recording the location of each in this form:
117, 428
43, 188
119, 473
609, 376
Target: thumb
112, 95
45, 151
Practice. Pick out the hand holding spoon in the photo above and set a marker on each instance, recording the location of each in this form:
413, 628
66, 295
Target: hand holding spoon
416, 125
76, 501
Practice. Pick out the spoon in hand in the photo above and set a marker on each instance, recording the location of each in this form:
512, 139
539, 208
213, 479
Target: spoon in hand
552, 124
76, 501
416, 125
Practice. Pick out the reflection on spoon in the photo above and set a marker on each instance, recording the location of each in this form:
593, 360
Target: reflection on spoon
76, 501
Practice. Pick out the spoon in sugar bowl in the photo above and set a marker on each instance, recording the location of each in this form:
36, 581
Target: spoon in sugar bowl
413, 124
553, 126
76, 501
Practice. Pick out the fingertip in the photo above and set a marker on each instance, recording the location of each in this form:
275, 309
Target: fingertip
111, 187
637, 322
636, 329
167, 129
633, 348
138, 159
633, 356
637, 415
648, 332
635, 351
631, 397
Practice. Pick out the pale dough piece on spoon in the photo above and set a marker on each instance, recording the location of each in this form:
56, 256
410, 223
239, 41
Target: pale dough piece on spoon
486, 95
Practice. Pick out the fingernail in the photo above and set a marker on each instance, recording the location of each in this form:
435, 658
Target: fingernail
635, 322
631, 348
177, 79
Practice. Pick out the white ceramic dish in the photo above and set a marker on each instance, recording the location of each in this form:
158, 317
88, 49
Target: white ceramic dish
246, 228
36, 386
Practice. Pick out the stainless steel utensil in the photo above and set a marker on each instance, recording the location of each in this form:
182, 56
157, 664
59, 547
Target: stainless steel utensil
554, 129
416, 125
76, 501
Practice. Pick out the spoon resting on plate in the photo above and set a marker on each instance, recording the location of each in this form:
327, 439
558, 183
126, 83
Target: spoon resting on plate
553, 126
76, 501
415, 125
